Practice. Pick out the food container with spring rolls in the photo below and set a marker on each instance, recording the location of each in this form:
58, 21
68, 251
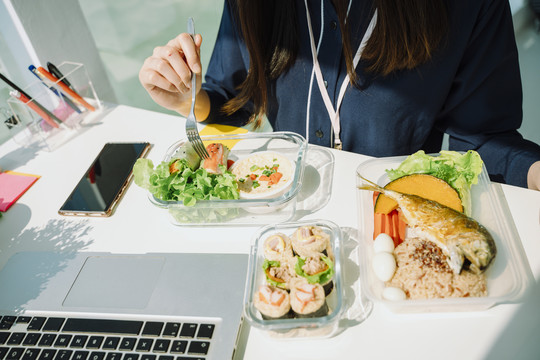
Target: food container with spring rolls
261, 205
288, 299
507, 277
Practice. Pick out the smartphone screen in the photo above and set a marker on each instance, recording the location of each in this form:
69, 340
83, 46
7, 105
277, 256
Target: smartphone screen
103, 184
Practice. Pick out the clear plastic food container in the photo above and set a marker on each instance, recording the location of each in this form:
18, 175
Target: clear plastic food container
508, 276
310, 327
280, 207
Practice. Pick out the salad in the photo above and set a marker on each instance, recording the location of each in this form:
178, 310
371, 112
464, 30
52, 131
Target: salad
185, 178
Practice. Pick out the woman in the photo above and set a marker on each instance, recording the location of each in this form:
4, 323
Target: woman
377, 77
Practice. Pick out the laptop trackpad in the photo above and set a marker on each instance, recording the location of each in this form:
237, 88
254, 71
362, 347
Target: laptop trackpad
115, 282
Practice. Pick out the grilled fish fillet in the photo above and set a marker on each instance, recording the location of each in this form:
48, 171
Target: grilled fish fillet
458, 235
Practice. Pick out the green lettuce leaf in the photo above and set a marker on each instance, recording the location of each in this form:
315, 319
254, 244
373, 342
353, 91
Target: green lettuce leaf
322, 277
142, 169
268, 264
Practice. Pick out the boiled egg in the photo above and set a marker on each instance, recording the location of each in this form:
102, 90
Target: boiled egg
383, 243
393, 294
384, 265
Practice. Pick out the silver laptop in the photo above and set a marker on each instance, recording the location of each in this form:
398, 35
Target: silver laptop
101, 306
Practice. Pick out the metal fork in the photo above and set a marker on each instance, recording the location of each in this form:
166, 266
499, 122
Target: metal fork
191, 124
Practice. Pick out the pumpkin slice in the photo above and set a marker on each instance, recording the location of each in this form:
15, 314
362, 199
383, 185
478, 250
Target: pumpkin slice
426, 186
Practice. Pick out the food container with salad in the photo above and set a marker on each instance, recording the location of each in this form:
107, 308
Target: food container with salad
436, 235
249, 179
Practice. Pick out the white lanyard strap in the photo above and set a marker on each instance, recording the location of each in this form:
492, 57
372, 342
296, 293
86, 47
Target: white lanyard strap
334, 113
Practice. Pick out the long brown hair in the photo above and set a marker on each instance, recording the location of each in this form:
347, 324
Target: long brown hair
406, 35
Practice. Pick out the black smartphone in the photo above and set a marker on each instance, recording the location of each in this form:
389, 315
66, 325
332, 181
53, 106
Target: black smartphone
102, 186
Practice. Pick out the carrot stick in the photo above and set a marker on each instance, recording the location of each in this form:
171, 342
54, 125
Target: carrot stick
388, 228
384, 223
395, 228
378, 219
402, 228
392, 224
378, 224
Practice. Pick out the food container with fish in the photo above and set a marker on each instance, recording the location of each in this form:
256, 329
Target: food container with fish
249, 179
293, 296
423, 251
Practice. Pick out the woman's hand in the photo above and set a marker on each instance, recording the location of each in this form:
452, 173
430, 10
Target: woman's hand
166, 75
533, 177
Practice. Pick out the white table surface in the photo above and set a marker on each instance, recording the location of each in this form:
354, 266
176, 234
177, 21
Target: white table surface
506, 331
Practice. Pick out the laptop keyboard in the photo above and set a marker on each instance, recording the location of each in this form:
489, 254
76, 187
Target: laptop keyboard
56, 338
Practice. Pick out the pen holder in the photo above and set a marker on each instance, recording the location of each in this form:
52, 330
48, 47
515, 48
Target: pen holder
55, 110
9, 124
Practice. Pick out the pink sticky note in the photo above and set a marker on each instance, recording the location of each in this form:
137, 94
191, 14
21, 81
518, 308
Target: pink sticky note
12, 186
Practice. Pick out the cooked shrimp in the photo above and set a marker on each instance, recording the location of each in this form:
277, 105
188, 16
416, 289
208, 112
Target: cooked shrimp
270, 296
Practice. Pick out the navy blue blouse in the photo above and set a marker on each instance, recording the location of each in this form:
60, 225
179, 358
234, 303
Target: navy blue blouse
471, 89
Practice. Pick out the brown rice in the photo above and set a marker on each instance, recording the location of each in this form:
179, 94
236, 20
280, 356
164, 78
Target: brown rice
423, 273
